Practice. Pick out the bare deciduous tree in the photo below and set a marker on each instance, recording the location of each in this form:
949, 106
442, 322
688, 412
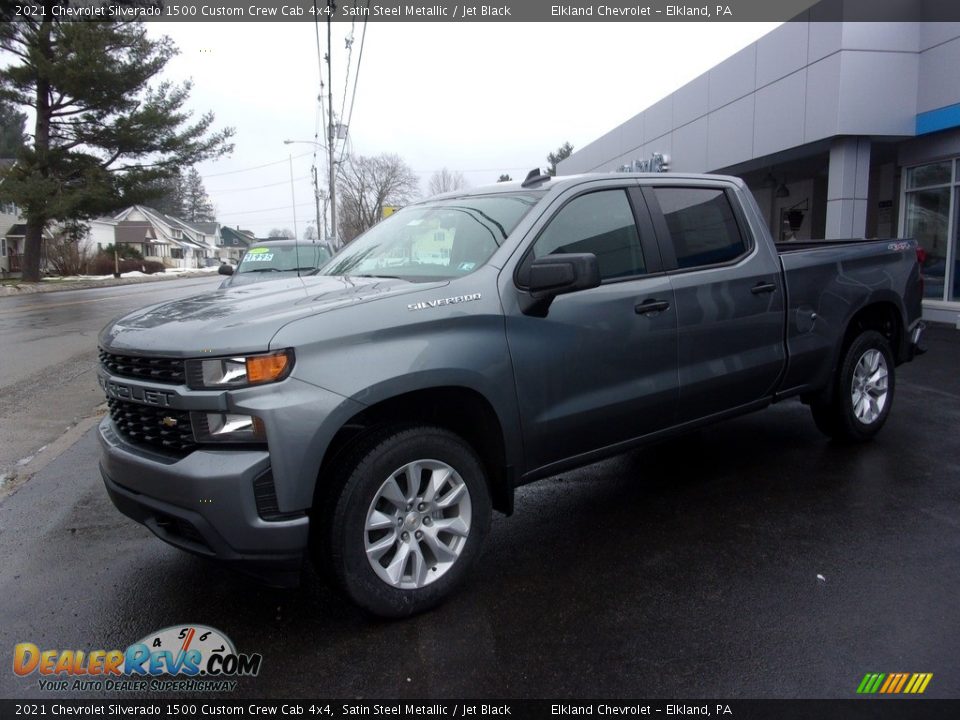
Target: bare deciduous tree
445, 180
367, 184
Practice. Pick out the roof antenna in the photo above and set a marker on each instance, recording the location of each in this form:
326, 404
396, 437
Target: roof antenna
534, 177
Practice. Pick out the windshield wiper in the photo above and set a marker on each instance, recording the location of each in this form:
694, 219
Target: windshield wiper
262, 270
387, 277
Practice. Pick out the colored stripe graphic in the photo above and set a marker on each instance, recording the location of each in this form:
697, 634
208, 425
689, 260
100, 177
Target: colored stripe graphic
894, 683
891, 680
870, 683
903, 680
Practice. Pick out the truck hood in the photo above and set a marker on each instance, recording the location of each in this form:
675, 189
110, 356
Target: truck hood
243, 318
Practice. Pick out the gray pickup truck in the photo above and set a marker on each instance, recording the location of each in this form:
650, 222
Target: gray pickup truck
373, 415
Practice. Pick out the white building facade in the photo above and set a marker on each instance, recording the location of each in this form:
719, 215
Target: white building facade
841, 129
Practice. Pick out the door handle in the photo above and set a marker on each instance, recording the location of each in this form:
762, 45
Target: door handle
648, 307
763, 287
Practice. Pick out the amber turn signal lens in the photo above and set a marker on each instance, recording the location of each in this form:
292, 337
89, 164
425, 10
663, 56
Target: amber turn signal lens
266, 368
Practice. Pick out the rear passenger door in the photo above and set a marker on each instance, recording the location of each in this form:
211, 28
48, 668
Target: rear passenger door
601, 367
729, 299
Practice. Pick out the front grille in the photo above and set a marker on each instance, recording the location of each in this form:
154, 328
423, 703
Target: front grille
161, 428
154, 369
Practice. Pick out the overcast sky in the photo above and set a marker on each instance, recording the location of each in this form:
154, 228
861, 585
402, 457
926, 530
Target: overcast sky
479, 98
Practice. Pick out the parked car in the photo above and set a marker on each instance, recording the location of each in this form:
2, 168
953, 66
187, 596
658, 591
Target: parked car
374, 414
275, 259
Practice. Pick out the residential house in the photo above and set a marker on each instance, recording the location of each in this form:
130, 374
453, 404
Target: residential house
11, 242
103, 232
234, 243
170, 240
12, 249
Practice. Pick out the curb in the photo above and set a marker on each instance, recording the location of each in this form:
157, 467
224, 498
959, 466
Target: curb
31, 288
14, 478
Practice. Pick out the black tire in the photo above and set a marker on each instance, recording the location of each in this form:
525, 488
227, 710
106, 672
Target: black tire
838, 418
340, 544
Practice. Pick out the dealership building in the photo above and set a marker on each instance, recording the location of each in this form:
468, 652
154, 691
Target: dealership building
841, 129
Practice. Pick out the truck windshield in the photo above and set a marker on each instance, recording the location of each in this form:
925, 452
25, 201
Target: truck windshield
436, 240
269, 258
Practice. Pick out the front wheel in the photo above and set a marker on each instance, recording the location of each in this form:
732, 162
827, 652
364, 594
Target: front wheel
408, 519
863, 393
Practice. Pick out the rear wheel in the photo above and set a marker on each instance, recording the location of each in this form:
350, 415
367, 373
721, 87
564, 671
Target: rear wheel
863, 392
410, 513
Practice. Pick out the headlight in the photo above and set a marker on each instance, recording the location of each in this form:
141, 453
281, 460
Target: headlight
237, 372
227, 427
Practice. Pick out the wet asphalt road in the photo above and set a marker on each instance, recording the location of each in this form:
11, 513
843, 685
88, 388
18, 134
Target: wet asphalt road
48, 354
689, 569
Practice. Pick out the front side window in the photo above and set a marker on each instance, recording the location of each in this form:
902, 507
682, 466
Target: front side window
437, 240
601, 223
702, 226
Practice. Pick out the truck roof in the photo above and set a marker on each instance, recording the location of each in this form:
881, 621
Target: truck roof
564, 181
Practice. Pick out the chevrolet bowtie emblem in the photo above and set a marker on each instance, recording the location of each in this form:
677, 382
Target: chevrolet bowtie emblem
169, 422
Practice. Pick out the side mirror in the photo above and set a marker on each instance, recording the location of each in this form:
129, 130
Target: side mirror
225, 269
555, 275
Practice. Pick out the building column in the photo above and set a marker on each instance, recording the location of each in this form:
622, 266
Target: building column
847, 187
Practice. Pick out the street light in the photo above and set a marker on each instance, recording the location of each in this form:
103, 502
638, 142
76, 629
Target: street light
316, 188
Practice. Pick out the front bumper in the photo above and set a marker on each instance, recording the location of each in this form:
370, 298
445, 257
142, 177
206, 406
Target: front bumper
204, 503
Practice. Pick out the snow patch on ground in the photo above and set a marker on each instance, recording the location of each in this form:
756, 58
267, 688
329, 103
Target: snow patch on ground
131, 274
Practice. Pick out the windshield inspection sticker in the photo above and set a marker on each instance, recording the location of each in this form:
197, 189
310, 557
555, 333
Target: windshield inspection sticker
424, 305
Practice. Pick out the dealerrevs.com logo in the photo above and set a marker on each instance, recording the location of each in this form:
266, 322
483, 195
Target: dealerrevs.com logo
186, 658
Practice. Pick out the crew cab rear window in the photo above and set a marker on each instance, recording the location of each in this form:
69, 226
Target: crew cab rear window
702, 226
600, 223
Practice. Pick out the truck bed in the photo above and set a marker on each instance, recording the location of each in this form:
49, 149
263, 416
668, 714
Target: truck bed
828, 280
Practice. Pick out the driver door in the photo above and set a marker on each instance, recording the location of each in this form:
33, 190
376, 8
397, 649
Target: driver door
601, 367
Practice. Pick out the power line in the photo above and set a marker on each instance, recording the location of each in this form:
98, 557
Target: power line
255, 167
270, 209
256, 187
261, 221
346, 81
356, 80
497, 169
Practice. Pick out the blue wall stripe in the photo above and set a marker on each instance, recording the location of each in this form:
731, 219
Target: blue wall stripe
939, 119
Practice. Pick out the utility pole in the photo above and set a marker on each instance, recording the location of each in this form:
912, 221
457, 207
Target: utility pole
331, 132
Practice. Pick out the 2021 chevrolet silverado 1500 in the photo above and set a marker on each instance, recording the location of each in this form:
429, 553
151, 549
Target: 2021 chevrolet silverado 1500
375, 413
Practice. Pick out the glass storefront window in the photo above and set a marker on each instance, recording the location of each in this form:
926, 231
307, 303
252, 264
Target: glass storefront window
927, 175
955, 295
927, 220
